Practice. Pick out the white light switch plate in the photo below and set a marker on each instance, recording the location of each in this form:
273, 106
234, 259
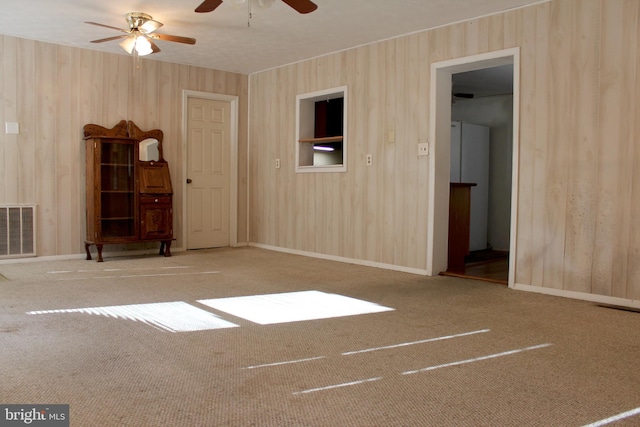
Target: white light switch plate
12, 128
423, 149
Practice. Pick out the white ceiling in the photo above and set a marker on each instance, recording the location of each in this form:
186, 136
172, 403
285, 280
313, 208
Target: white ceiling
276, 36
484, 82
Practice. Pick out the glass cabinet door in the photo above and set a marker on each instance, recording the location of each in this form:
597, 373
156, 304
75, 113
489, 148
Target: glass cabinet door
117, 190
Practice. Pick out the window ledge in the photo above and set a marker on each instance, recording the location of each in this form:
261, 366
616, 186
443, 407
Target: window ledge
321, 168
325, 139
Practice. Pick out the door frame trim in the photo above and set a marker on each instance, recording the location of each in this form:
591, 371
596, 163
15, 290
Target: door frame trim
233, 160
439, 159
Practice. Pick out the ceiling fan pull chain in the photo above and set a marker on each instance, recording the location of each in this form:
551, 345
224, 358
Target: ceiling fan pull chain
136, 64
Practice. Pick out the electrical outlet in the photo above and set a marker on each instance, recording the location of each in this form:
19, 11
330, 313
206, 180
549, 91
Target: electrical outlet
277, 163
369, 159
423, 149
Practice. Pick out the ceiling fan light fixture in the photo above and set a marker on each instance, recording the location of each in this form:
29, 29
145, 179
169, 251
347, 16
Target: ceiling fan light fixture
143, 46
138, 42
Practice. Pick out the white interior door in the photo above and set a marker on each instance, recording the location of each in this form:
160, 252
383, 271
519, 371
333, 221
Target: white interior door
208, 172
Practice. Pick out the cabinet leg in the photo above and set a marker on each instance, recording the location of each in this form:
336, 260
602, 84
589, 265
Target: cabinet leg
86, 248
161, 248
167, 251
99, 246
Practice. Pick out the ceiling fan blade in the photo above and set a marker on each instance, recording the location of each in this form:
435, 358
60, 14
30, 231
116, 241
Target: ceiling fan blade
208, 6
302, 6
128, 44
107, 26
150, 26
108, 39
170, 38
154, 47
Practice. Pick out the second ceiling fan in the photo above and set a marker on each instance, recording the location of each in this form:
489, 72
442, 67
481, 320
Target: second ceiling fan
301, 6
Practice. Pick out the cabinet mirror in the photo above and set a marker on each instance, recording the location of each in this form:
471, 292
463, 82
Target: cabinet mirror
149, 150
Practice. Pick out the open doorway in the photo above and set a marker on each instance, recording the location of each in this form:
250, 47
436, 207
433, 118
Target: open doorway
481, 153
481, 90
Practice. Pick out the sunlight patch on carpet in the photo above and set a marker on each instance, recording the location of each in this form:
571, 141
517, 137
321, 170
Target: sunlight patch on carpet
174, 316
292, 307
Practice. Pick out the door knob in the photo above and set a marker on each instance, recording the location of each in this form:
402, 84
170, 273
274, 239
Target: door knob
189, 181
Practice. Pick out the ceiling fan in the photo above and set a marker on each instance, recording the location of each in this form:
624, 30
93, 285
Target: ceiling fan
140, 36
301, 6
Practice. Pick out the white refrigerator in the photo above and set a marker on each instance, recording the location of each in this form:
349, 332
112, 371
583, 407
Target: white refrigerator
470, 164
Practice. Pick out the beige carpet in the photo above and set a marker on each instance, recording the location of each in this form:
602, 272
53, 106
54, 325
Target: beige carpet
452, 352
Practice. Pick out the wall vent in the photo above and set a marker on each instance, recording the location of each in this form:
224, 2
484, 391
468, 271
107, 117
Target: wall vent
17, 231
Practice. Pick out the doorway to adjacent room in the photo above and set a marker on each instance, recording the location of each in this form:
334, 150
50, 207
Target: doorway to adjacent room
491, 261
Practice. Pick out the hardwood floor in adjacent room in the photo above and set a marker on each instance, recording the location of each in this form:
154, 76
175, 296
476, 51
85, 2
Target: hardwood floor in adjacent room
490, 266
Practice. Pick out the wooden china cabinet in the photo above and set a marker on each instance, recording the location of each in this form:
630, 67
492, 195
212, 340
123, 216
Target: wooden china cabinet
129, 193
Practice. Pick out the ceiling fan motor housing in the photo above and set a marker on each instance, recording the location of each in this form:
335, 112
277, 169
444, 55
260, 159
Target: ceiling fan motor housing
137, 19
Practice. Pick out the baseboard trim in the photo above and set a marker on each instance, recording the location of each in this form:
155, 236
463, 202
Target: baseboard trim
601, 299
83, 255
422, 272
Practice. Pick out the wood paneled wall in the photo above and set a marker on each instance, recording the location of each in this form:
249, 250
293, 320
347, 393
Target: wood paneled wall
579, 160
579, 165
52, 91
